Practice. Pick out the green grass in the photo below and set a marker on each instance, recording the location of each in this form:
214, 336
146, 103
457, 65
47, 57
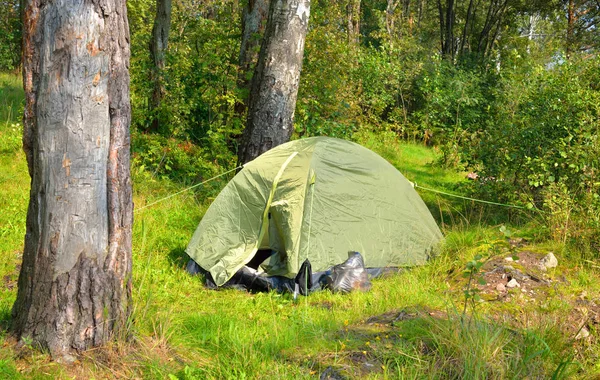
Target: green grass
185, 331
14, 182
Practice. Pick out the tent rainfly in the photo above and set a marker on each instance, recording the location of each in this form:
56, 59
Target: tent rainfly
316, 198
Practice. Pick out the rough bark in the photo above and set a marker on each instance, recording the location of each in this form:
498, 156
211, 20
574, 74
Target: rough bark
275, 82
254, 21
158, 47
75, 280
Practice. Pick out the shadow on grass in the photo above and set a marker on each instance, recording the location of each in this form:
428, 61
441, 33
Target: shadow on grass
178, 257
5, 321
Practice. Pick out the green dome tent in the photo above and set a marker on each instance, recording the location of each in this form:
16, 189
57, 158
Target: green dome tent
317, 199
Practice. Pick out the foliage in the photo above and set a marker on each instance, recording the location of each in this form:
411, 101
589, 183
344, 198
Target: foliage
454, 104
541, 145
327, 107
200, 82
10, 34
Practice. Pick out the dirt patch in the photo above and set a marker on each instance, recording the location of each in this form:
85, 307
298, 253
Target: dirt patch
9, 282
394, 316
520, 275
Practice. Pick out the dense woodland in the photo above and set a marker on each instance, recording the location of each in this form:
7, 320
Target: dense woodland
507, 89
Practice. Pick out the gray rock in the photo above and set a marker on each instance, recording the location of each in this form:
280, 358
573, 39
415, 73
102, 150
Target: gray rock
548, 261
513, 284
331, 374
583, 333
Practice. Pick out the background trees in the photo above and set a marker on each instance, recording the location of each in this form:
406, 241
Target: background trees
461, 75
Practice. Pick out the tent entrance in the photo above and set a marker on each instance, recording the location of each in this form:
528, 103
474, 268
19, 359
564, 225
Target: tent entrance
260, 256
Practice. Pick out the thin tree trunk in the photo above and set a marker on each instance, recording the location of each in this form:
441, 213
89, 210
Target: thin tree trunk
570, 28
446, 15
389, 16
158, 48
463, 39
420, 7
75, 280
493, 20
353, 11
254, 21
275, 82
449, 52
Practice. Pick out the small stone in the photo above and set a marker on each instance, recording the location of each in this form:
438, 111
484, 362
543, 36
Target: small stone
68, 359
583, 333
509, 259
513, 284
500, 287
516, 242
331, 374
548, 261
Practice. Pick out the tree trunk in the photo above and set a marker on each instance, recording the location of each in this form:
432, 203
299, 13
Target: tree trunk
75, 280
493, 21
468, 20
275, 82
254, 21
570, 28
158, 47
446, 16
390, 17
353, 12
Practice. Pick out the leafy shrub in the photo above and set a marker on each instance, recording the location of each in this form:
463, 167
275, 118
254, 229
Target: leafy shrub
541, 146
453, 106
157, 156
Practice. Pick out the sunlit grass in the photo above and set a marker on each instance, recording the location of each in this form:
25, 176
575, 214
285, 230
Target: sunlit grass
185, 331
14, 182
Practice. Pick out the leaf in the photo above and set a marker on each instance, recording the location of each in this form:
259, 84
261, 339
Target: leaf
482, 281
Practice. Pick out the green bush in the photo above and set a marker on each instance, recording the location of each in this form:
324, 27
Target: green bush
540, 145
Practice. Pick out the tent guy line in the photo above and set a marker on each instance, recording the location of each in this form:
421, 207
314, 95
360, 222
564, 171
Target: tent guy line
187, 189
415, 185
466, 198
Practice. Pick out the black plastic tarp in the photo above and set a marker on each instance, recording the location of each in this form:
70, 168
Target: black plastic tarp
351, 275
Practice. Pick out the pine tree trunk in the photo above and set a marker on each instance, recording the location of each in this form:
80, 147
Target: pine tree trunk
75, 281
158, 47
254, 21
275, 82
